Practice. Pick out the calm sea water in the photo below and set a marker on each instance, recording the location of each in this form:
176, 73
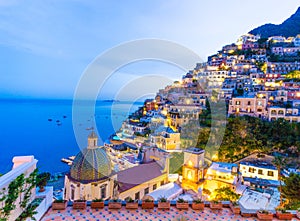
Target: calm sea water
25, 129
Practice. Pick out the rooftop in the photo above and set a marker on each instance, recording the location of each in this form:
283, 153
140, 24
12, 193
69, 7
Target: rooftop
140, 214
194, 150
128, 178
260, 164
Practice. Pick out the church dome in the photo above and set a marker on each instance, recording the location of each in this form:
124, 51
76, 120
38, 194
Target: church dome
91, 164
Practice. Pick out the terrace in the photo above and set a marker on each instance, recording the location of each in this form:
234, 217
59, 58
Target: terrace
142, 214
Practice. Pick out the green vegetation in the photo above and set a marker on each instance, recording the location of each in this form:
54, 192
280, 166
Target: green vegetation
279, 162
42, 180
293, 75
20, 188
291, 191
176, 162
245, 135
225, 194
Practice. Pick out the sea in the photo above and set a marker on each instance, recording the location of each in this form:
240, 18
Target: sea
44, 128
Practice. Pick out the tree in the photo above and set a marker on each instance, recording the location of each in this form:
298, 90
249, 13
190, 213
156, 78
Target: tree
291, 189
225, 194
279, 163
42, 180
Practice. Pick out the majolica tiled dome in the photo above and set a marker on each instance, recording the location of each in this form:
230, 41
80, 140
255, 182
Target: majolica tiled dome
91, 164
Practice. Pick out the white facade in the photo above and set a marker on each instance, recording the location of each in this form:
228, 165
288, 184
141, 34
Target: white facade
22, 165
88, 191
253, 170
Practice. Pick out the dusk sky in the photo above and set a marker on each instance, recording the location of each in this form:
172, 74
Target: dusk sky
46, 45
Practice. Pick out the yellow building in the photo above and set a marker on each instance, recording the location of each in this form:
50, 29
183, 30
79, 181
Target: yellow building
221, 174
193, 168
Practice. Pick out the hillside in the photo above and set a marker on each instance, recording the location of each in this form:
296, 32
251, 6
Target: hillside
290, 27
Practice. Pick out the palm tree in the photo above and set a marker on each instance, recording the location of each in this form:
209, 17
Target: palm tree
279, 162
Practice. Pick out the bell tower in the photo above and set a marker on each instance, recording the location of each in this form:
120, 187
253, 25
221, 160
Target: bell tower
193, 168
92, 141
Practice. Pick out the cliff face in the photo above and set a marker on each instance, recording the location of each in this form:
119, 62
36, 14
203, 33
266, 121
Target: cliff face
290, 27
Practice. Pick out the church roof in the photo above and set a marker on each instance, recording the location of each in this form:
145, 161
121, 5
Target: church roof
137, 175
90, 165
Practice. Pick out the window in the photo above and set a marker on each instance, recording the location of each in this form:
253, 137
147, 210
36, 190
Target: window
72, 193
270, 173
249, 102
237, 102
260, 172
154, 186
162, 183
137, 196
103, 191
146, 191
251, 170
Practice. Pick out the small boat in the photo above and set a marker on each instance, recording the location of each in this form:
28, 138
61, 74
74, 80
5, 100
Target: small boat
67, 161
57, 121
72, 157
49, 119
64, 116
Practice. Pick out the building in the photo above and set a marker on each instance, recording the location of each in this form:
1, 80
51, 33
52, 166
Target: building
91, 176
193, 168
23, 166
289, 114
140, 180
258, 169
224, 172
255, 106
296, 41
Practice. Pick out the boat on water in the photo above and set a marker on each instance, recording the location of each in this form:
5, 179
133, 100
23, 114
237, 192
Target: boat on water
72, 157
67, 161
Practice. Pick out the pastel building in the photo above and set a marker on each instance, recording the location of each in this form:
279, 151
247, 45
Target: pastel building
261, 170
221, 174
91, 176
289, 114
255, 106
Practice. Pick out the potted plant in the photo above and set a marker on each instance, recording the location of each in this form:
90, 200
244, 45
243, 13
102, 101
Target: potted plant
198, 204
79, 204
182, 204
114, 204
42, 180
59, 204
97, 204
147, 204
235, 207
216, 204
131, 204
282, 214
264, 215
163, 203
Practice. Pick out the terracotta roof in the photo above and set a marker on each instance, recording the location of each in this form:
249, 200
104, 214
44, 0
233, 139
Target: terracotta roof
137, 175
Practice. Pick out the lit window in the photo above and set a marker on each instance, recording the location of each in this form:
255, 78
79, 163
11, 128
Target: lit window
270, 173
189, 175
251, 170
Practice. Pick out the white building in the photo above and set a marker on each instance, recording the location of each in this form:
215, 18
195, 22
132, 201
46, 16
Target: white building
24, 165
260, 170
